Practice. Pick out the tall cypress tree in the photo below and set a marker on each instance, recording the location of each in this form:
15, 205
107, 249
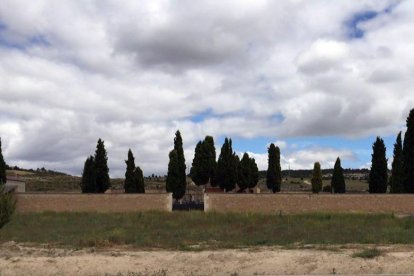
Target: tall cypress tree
316, 178
408, 155
396, 181
245, 176
178, 146
131, 184
88, 182
210, 150
378, 174
174, 182
254, 173
338, 181
3, 177
226, 174
139, 181
176, 177
101, 166
274, 174
200, 167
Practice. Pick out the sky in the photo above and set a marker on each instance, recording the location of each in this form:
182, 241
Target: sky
319, 78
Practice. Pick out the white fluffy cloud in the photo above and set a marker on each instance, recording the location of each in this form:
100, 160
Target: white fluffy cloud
132, 72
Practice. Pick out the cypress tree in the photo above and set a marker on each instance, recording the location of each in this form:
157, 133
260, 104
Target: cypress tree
245, 177
338, 181
3, 177
316, 178
396, 181
226, 174
134, 179
101, 166
254, 173
200, 167
408, 155
174, 182
178, 146
139, 181
274, 174
88, 182
176, 177
378, 175
210, 150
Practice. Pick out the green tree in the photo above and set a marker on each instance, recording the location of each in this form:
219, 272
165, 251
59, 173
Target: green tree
396, 182
274, 172
178, 146
378, 174
200, 167
408, 155
245, 176
134, 179
254, 173
316, 178
3, 177
139, 180
210, 150
176, 177
174, 183
338, 181
101, 166
88, 182
226, 174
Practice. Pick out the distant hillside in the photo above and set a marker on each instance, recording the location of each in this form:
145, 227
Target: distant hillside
308, 173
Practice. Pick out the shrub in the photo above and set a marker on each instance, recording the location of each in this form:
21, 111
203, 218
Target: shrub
327, 189
368, 253
7, 207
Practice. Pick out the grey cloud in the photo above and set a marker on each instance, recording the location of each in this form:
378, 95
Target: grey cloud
134, 72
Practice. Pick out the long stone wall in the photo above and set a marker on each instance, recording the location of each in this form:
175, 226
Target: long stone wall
307, 203
107, 203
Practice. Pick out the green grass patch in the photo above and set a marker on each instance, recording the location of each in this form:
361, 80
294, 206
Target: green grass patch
198, 230
368, 253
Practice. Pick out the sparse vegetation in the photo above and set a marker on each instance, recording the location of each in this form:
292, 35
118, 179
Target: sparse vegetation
7, 207
368, 253
197, 231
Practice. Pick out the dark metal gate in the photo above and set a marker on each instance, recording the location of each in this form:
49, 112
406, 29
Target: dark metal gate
192, 201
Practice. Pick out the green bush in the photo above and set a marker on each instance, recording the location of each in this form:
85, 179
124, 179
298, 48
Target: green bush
7, 207
368, 253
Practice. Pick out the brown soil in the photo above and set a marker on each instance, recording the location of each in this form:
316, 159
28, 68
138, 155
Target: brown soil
18, 259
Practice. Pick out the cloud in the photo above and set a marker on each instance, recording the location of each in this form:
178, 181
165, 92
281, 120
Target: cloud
132, 73
305, 158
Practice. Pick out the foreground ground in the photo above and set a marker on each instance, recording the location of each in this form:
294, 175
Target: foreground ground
198, 243
17, 259
200, 231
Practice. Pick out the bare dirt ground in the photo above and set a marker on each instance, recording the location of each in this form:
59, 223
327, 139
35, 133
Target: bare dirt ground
18, 259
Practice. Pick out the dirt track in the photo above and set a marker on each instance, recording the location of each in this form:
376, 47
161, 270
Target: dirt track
16, 259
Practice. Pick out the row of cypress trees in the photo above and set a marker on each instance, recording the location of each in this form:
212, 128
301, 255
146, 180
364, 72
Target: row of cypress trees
227, 172
402, 171
95, 175
337, 182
